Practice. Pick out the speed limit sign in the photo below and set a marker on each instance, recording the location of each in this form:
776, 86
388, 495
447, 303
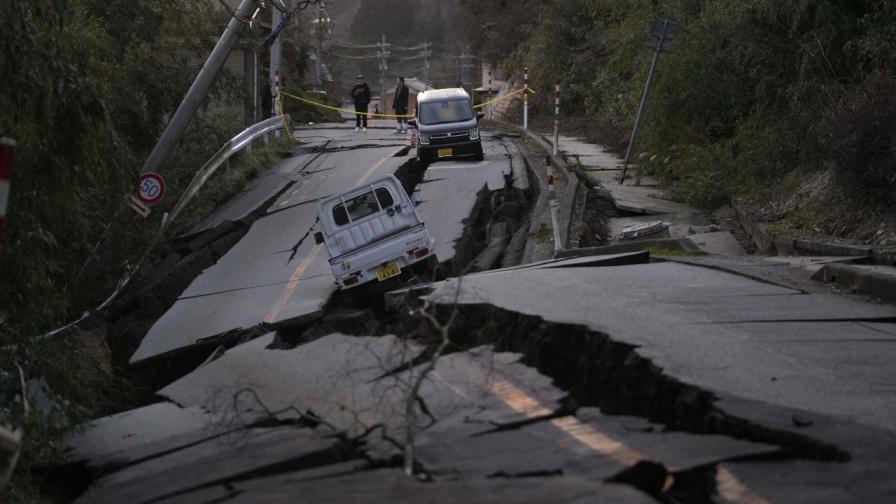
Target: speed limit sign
151, 188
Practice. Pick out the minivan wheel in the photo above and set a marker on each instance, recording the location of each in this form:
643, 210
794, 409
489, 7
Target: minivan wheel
479, 156
423, 155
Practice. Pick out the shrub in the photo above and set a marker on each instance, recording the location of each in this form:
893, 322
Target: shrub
862, 132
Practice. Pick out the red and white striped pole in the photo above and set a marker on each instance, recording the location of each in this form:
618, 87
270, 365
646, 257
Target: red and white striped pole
7, 156
278, 107
557, 118
552, 203
526, 98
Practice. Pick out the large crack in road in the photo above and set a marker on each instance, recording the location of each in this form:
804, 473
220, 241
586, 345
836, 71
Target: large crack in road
519, 405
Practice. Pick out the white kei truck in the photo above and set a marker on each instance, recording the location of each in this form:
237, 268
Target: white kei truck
372, 233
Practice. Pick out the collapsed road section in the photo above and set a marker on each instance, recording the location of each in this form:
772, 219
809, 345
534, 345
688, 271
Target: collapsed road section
616, 378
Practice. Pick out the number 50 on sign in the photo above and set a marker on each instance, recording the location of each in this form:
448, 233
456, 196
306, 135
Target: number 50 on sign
151, 188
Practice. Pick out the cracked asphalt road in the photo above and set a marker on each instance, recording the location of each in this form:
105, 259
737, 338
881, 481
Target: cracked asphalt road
607, 379
265, 278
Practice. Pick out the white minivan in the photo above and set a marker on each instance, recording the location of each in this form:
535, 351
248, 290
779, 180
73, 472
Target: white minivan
373, 233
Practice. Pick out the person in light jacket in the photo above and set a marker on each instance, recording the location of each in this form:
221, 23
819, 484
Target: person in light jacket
361, 96
400, 104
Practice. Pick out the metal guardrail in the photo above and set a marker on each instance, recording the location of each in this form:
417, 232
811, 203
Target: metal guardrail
236, 144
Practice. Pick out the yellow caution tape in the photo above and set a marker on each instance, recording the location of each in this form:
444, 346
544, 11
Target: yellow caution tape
285, 120
329, 107
504, 97
388, 116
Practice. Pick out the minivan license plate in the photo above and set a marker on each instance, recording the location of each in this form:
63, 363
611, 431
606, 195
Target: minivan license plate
445, 153
388, 271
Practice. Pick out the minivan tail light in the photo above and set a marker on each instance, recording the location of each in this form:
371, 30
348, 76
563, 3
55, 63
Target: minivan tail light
351, 280
418, 253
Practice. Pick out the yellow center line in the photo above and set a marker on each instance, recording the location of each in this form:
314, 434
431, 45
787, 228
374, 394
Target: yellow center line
290, 288
379, 163
730, 488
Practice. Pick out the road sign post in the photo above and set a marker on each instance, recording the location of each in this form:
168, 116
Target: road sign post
138, 206
664, 30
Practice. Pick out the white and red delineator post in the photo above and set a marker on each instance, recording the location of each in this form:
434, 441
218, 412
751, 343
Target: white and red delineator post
526, 98
7, 157
278, 105
557, 118
552, 204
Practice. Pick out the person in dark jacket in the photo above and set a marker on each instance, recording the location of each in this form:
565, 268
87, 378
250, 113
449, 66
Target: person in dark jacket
400, 104
361, 97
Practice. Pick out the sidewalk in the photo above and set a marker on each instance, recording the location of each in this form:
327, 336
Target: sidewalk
640, 205
640, 202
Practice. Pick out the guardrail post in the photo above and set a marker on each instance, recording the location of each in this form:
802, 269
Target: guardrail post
7, 157
557, 118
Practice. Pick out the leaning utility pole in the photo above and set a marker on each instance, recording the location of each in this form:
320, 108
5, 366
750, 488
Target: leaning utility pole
276, 60
199, 90
319, 79
664, 30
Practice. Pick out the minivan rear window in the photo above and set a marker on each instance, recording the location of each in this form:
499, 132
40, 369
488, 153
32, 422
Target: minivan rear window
362, 206
442, 112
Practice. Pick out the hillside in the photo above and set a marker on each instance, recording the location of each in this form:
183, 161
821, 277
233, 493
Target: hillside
787, 104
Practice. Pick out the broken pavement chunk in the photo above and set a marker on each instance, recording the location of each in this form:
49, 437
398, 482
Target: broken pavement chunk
644, 229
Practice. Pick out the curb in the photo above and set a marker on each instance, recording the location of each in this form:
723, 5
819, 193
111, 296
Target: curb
789, 245
632, 246
569, 194
868, 280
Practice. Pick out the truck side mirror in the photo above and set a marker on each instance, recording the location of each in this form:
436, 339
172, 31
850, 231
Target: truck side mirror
319, 238
480, 115
416, 198
412, 123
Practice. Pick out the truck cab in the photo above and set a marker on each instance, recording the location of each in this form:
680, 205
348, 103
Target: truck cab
372, 233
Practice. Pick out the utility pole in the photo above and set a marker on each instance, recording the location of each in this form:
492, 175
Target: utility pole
664, 30
465, 66
426, 53
199, 89
276, 60
318, 78
491, 106
383, 54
